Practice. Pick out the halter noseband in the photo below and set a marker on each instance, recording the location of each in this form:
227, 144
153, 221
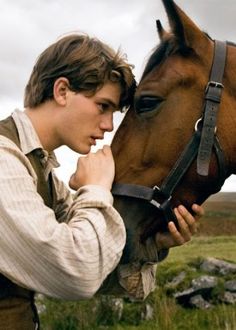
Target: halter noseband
201, 143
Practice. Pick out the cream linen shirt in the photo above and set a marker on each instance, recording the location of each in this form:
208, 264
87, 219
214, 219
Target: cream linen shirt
66, 252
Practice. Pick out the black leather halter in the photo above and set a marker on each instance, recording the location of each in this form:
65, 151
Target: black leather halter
202, 142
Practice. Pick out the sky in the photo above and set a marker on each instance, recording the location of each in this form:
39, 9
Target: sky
27, 27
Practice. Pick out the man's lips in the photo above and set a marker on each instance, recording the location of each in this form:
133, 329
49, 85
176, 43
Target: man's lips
94, 138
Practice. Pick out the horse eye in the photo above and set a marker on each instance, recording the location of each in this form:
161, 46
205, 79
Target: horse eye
146, 104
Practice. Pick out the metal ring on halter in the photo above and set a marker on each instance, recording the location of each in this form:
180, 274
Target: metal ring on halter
196, 128
198, 123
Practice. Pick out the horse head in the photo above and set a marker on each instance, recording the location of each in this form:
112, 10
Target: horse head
168, 110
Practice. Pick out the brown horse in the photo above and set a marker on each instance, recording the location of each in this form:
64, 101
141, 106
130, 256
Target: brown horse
175, 91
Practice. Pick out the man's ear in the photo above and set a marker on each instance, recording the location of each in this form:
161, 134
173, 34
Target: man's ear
60, 90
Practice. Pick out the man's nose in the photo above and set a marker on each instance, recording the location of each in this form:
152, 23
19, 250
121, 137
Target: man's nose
107, 122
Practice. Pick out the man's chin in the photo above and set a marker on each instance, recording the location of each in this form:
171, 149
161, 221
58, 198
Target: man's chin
82, 150
85, 150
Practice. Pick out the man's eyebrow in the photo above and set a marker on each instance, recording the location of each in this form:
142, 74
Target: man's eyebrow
112, 104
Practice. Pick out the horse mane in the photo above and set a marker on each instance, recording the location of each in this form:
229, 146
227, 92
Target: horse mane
230, 43
165, 49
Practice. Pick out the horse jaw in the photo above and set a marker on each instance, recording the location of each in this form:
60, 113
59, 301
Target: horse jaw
141, 223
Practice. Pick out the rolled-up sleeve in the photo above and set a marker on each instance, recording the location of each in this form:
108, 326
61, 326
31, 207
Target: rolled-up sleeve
68, 259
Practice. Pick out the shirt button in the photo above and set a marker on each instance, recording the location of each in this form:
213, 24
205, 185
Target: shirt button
40, 154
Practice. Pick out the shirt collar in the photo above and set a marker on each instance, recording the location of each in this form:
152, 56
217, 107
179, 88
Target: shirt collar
29, 139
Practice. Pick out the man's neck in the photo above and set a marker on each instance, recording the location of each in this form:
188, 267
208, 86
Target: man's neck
42, 119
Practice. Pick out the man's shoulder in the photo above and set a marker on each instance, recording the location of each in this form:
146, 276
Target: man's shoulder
6, 142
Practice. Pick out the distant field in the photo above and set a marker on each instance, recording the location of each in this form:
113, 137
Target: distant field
221, 247
220, 215
223, 197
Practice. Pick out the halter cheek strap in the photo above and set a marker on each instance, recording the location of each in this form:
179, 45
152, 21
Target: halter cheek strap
212, 102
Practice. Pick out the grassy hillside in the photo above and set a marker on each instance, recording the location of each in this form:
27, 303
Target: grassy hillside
167, 314
220, 215
216, 238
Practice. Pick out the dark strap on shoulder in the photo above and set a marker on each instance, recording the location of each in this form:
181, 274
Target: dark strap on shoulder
9, 130
44, 187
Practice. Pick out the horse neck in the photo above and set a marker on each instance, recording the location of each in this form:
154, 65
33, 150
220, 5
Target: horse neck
228, 117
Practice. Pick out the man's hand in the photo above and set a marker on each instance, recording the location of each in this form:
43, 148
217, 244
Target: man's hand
187, 228
96, 168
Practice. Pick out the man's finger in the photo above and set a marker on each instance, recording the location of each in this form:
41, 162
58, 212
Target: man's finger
198, 210
176, 235
187, 217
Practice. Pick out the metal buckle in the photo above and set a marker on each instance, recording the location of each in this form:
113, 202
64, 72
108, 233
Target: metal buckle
154, 202
213, 84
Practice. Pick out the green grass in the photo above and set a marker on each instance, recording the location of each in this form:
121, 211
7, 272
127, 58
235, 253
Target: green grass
92, 315
171, 317
222, 247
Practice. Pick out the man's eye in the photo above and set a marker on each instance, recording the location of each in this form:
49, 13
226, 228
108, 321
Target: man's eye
103, 107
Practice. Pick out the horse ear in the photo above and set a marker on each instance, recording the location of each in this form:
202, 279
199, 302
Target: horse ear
183, 28
161, 31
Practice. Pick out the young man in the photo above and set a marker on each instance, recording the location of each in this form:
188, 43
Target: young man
61, 245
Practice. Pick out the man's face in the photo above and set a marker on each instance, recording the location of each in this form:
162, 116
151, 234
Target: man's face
86, 118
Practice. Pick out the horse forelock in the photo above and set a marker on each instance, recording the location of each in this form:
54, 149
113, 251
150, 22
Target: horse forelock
162, 51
